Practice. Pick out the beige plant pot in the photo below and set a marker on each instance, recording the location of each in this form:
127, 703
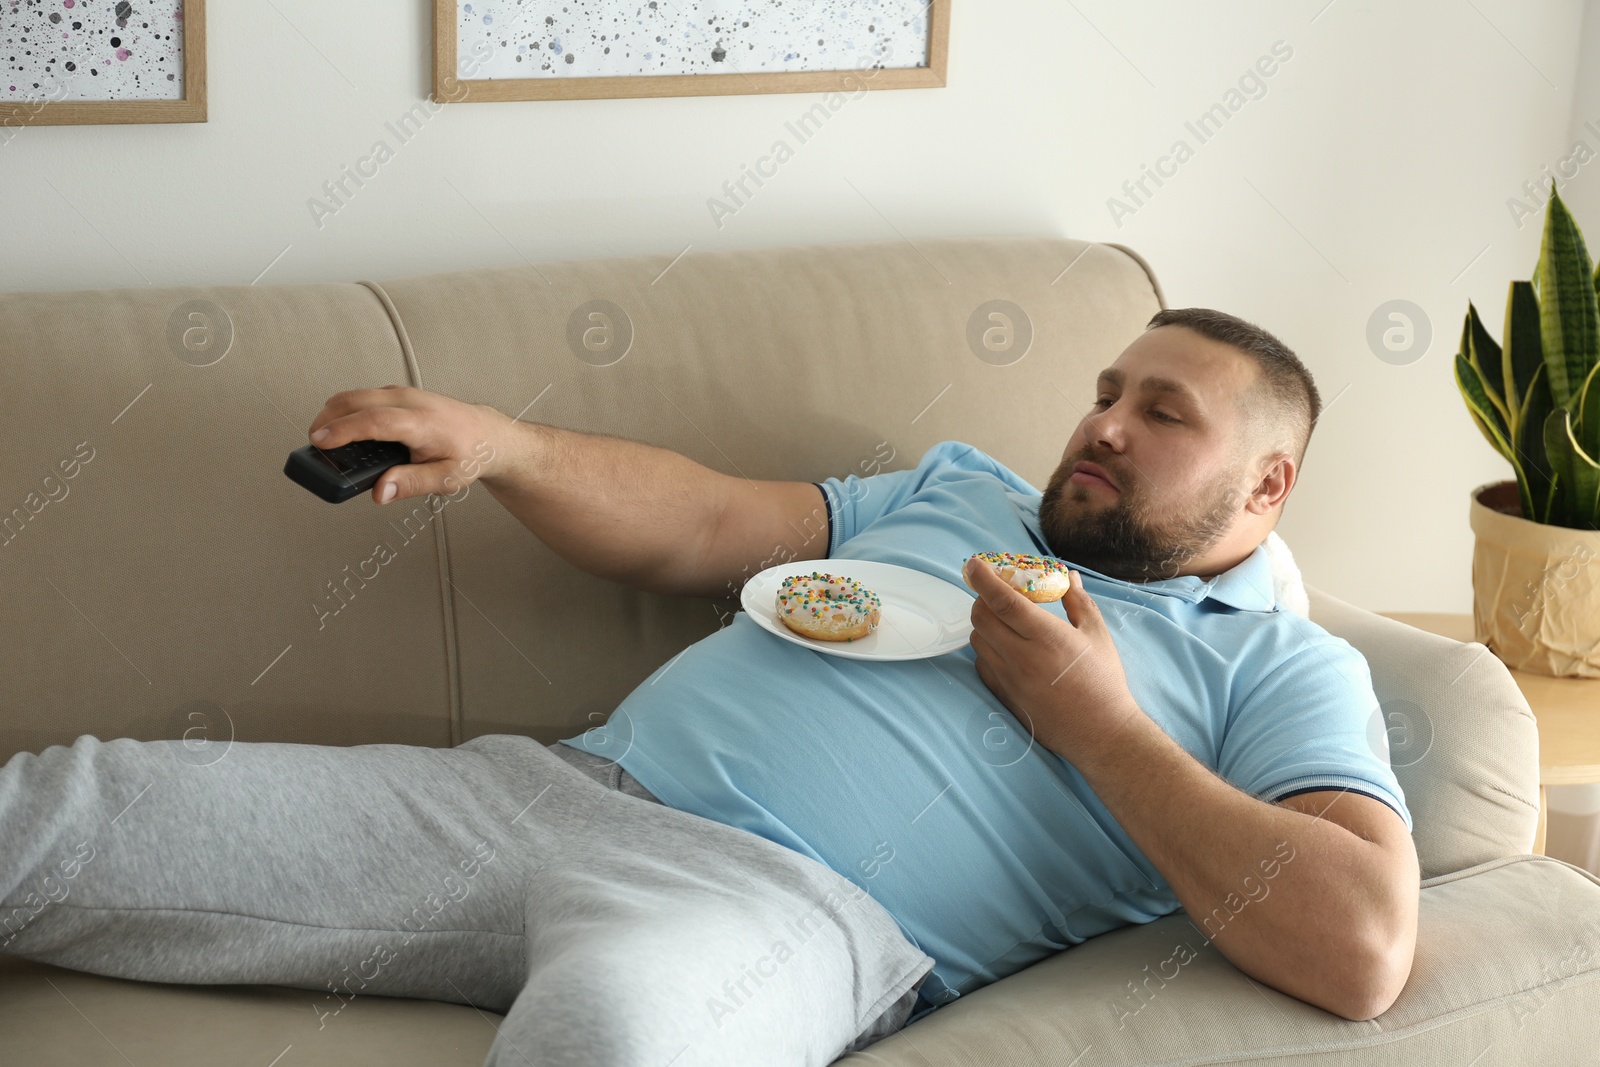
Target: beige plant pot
1536, 588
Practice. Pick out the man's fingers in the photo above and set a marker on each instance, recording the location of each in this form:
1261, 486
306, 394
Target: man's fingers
996, 594
372, 424
418, 479
1080, 606
986, 582
340, 405
985, 660
421, 437
982, 646
449, 441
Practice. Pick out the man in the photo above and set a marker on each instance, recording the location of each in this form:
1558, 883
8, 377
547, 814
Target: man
1164, 737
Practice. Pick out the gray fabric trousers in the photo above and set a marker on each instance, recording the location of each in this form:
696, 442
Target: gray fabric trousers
543, 884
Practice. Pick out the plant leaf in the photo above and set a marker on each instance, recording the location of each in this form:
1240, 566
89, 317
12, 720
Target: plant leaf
1569, 311
1583, 499
1483, 352
1577, 472
1556, 447
1470, 382
1535, 409
1522, 367
1587, 430
1523, 354
1483, 428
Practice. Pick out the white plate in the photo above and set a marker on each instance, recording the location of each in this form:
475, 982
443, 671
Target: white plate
922, 616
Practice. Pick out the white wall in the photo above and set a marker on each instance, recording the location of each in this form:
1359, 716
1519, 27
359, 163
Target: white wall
1377, 166
1580, 189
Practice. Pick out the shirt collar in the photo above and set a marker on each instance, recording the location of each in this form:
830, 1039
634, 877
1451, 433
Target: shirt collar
1247, 586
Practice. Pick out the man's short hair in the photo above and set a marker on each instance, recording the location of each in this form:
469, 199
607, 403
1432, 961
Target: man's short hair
1284, 405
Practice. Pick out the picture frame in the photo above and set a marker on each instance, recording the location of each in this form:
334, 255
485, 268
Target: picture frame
191, 107
453, 80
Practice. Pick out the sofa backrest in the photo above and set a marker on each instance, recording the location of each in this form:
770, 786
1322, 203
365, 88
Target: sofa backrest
176, 584
167, 581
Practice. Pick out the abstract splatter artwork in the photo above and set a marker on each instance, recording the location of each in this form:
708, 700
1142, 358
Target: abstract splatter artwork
62, 50
601, 38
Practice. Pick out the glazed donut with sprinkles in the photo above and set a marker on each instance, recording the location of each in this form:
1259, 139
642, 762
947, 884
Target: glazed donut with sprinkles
828, 607
1040, 579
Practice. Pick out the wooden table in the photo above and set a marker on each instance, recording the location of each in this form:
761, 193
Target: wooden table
1568, 710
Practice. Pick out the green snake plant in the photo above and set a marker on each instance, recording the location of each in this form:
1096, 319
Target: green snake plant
1537, 399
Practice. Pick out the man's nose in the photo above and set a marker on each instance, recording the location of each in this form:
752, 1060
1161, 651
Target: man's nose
1106, 428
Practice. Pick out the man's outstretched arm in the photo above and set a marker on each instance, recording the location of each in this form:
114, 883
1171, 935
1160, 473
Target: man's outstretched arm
623, 510
1316, 896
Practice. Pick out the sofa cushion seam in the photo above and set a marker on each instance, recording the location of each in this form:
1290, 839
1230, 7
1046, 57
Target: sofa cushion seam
454, 725
281, 922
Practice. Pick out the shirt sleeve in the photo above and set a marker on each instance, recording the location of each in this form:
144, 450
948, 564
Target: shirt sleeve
827, 502
1312, 723
854, 503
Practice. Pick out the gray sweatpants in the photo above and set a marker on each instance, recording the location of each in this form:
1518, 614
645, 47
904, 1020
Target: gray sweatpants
544, 884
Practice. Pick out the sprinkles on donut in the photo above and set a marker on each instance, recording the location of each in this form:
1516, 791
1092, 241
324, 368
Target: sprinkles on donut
1041, 579
827, 607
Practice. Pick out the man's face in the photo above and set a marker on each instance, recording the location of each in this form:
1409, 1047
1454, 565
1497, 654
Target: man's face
1178, 470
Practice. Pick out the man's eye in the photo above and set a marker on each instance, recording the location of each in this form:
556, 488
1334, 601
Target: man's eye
1158, 414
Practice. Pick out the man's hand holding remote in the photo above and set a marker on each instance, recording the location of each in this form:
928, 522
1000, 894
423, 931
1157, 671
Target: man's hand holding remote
452, 443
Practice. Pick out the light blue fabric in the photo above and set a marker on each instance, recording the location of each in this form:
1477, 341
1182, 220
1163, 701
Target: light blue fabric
912, 780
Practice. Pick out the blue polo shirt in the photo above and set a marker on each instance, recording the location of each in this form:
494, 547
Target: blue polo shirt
912, 780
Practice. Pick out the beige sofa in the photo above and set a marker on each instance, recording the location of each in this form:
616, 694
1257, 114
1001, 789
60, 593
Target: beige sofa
178, 585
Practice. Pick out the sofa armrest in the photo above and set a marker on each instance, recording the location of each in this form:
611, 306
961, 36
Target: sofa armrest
1508, 953
1463, 742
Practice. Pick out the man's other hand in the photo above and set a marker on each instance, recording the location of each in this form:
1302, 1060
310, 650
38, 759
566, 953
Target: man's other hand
1062, 679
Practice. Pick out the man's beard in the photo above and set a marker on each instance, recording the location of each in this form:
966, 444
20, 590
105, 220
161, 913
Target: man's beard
1121, 538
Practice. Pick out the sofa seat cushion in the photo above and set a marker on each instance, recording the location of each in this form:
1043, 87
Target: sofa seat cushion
51, 1017
1508, 957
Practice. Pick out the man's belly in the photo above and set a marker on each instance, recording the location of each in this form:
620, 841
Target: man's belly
909, 779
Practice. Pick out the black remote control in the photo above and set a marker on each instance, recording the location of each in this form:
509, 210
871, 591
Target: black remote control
337, 474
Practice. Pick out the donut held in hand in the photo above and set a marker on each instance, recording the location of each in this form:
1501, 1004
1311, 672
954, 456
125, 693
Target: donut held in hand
828, 607
1041, 580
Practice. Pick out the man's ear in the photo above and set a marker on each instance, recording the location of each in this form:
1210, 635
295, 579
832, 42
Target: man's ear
1277, 478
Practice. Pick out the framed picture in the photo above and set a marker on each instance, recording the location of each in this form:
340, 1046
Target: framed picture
84, 62
497, 50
